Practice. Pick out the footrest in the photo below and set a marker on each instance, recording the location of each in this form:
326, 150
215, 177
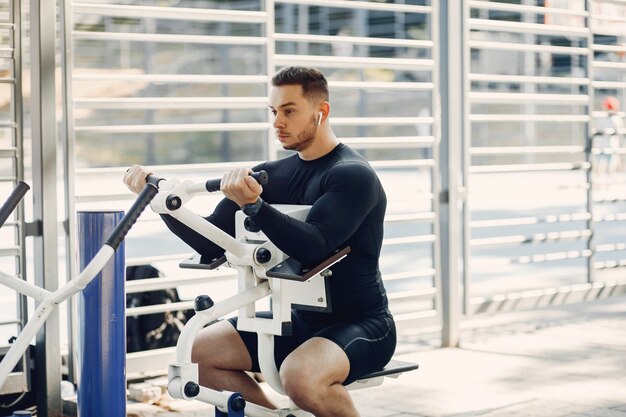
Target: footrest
392, 368
198, 261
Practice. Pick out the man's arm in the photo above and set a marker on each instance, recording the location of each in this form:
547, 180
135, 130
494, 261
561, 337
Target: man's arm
223, 217
351, 191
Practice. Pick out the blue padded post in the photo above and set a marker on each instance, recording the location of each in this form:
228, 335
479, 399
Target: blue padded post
102, 324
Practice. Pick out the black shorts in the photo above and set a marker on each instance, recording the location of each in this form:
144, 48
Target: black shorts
369, 342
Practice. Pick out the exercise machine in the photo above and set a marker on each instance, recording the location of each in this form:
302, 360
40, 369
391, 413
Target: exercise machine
263, 272
48, 301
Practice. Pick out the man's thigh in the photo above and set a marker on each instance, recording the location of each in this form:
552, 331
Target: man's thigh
368, 343
319, 361
283, 345
220, 346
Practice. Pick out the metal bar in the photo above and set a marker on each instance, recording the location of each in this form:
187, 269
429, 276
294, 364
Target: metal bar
551, 118
174, 257
528, 79
589, 208
408, 240
152, 284
608, 85
355, 62
546, 257
357, 40
17, 113
597, 47
43, 110
523, 239
134, 103
270, 54
531, 28
420, 217
170, 13
451, 199
174, 78
412, 296
511, 46
609, 217
505, 7
361, 5
434, 24
522, 221
399, 85
390, 142
610, 18
165, 170
143, 362
420, 273
175, 128
524, 150
565, 99
609, 65
69, 140
565, 166
8, 153
169, 38
610, 247
159, 308
605, 114
400, 163
381, 121
610, 264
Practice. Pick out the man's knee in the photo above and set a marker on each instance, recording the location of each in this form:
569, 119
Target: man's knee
301, 386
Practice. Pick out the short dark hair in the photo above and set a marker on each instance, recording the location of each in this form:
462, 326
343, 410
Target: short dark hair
313, 82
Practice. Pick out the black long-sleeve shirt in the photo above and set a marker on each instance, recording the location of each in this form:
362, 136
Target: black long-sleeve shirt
348, 209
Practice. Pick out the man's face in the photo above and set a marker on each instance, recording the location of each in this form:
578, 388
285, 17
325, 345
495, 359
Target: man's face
294, 117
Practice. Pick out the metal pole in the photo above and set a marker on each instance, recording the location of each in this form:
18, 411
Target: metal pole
451, 195
102, 324
44, 142
591, 243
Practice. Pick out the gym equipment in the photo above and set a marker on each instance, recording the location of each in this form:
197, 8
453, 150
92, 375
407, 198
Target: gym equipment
264, 271
12, 201
48, 300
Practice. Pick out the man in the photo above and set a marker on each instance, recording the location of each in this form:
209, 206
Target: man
326, 350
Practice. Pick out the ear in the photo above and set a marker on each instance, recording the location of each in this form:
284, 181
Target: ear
323, 111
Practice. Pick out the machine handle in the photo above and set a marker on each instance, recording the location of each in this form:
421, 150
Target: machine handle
214, 185
14, 199
119, 233
154, 180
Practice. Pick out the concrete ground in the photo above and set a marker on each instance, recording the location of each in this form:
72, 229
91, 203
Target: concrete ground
560, 361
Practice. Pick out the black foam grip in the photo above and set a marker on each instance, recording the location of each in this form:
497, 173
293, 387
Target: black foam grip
154, 180
13, 200
120, 231
214, 185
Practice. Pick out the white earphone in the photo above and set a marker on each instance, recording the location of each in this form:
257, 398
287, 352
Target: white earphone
319, 120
